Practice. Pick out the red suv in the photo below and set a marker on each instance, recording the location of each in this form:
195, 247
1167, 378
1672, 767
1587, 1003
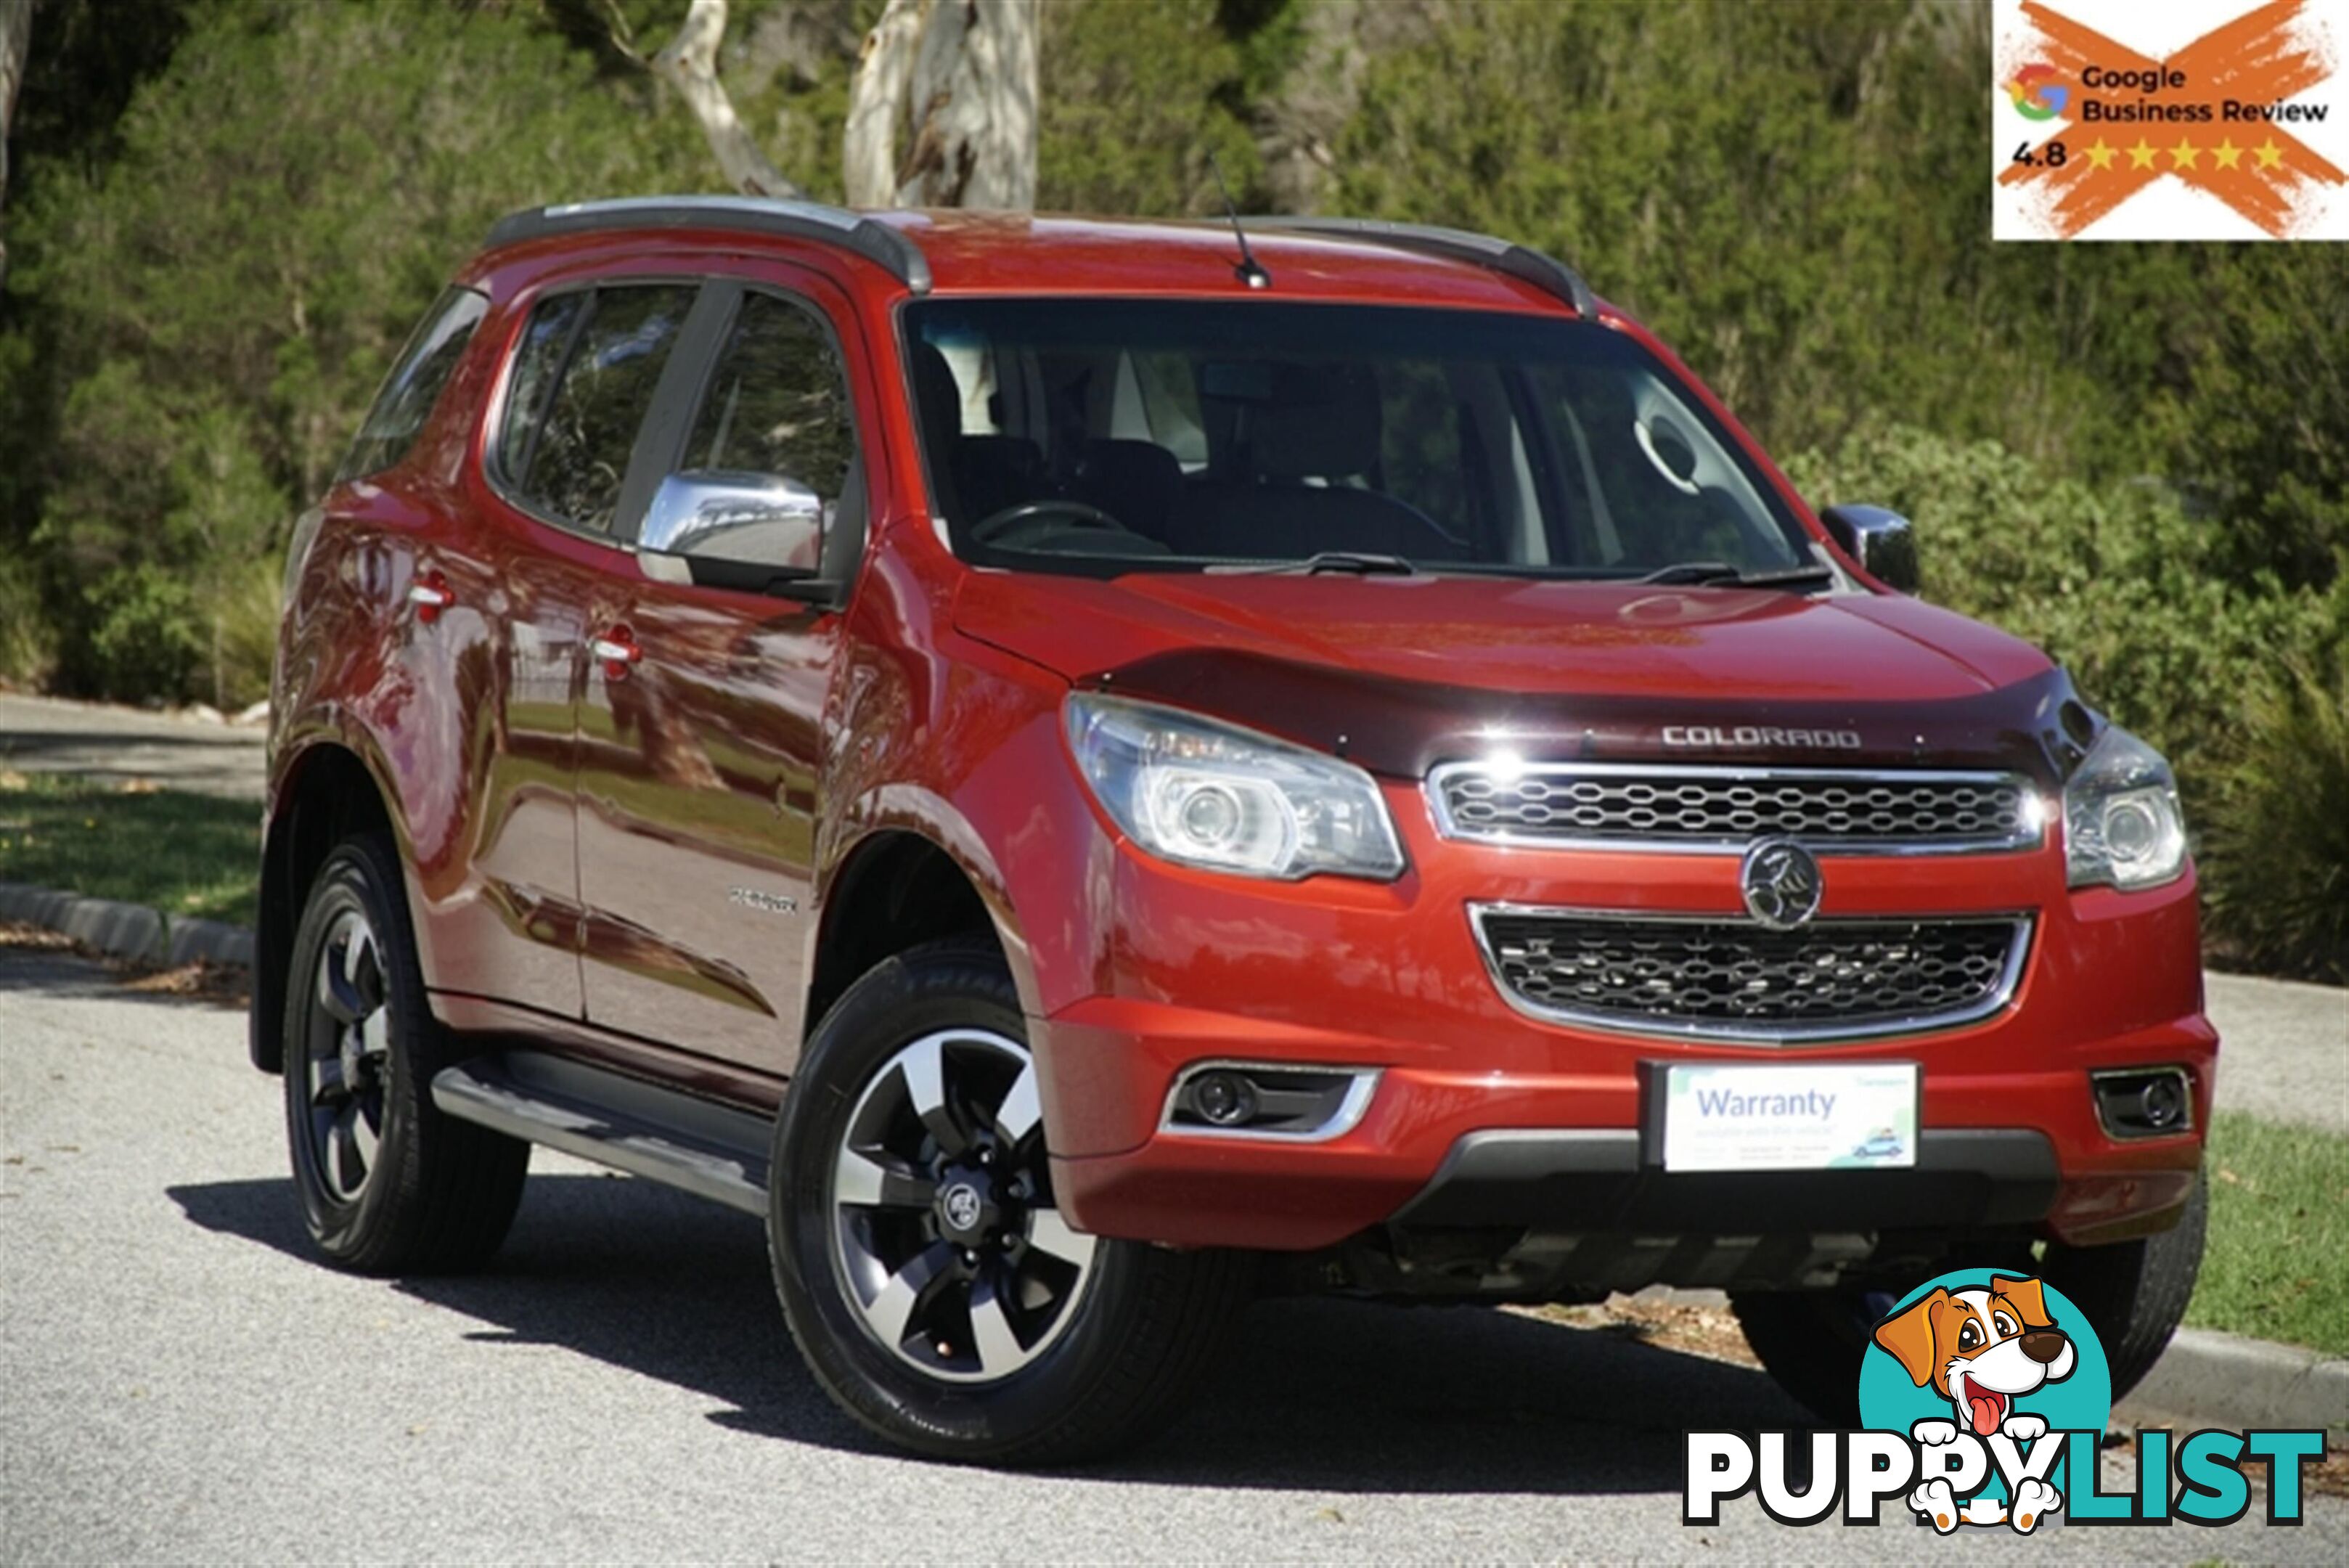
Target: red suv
1086, 771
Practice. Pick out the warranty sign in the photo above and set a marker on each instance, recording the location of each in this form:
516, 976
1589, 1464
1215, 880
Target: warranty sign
2219, 121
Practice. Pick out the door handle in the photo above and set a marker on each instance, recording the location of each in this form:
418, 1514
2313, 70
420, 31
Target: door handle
427, 596
615, 650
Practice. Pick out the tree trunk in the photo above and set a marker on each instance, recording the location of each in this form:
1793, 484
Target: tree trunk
877, 104
690, 65
958, 79
15, 45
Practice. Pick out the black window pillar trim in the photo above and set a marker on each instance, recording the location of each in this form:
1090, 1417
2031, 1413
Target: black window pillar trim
677, 398
545, 404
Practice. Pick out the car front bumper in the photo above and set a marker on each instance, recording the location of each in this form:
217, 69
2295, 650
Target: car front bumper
1483, 1116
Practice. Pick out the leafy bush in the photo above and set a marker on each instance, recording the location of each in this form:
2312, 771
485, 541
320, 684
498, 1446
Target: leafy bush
2276, 860
2119, 582
216, 304
2124, 587
1137, 98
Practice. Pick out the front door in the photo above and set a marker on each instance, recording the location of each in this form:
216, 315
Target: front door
583, 376
700, 727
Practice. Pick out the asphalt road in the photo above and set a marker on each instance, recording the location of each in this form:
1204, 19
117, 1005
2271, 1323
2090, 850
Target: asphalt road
2284, 1051
43, 734
179, 1382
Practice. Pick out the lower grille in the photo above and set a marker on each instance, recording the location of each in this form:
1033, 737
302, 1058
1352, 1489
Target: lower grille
1733, 979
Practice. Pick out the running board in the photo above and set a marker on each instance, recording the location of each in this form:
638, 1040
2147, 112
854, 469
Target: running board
661, 1134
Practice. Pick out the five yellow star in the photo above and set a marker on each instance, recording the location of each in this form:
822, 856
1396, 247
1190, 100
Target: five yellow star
2141, 155
2100, 155
2269, 154
2183, 155
2227, 153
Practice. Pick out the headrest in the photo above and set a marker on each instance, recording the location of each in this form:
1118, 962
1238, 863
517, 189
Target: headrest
937, 395
1131, 467
1323, 422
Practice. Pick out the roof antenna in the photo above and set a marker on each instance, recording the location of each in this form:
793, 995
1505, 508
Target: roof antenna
1248, 271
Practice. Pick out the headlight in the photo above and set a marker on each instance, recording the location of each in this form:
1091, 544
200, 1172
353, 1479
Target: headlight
1207, 794
2122, 825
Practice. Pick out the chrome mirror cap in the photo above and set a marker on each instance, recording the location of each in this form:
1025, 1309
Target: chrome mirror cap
756, 519
1882, 542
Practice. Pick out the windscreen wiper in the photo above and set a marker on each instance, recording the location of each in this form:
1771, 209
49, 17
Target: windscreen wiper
1354, 563
1721, 574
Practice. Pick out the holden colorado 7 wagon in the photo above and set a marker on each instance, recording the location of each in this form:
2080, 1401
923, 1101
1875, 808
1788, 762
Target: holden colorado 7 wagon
1086, 771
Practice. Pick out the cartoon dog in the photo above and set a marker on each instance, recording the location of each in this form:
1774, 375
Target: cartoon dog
1983, 1350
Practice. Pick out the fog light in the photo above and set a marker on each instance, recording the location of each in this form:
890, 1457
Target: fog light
2144, 1102
1223, 1099
2163, 1101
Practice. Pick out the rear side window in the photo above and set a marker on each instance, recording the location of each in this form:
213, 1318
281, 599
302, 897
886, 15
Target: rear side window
585, 374
415, 383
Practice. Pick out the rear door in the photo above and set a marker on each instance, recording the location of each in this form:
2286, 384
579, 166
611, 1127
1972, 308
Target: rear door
701, 735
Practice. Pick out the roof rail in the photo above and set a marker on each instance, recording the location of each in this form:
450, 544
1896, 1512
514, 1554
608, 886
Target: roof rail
1544, 272
876, 242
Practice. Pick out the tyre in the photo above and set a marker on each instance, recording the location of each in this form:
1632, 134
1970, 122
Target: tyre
1812, 1344
388, 1183
926, 1272
2134, 1293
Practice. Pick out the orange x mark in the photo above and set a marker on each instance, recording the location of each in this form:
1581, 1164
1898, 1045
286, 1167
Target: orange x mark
2252, 59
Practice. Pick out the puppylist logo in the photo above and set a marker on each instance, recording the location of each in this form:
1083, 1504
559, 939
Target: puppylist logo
1983, 1398
2212, 121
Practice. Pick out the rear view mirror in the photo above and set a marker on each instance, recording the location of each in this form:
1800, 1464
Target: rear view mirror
1884, 542
756, 532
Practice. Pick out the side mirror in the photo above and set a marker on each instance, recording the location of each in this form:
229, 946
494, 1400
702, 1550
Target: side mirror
1885, 543
756, 532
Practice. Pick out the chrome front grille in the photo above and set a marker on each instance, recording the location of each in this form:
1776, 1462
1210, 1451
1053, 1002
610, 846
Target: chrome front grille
1617, 805
1733, 979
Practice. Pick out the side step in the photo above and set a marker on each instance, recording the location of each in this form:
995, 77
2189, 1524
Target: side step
639, 1127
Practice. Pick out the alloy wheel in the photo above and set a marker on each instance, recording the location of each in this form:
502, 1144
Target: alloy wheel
349, 1057
945, 1231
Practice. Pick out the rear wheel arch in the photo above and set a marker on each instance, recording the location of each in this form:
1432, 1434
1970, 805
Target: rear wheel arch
327, 795
894, 890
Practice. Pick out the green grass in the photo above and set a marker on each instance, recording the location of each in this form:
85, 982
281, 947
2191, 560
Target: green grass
182, 854
2277, 1263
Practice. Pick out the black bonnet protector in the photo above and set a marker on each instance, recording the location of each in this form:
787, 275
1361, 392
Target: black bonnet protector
2037, 727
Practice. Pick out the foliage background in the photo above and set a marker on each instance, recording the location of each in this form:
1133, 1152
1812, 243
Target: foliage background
228, 212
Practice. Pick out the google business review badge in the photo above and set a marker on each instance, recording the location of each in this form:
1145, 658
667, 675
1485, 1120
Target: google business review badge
2225, 119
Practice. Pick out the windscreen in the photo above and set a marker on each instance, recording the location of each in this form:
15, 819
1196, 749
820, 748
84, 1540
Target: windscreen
1111, 435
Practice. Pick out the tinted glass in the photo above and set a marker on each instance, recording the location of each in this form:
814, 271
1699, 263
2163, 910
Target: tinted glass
591, 421
778, 403
1107, 435
536, 363
414, 386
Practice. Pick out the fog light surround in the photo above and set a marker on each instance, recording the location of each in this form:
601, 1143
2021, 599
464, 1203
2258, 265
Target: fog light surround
2144, 1102
1283, 1101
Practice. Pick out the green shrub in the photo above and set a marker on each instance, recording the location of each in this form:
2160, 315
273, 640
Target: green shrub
2276, 857
25, 650
2126, 590
1136, 100
2119, 582
217, 303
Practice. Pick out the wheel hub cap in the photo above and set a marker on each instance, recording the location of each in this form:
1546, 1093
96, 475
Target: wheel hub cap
349, 1055
967, 1209
946, 1236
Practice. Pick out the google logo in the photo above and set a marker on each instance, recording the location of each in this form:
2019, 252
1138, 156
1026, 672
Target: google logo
2038, 93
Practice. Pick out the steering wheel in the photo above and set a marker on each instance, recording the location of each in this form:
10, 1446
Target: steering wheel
1425, 521
994, 526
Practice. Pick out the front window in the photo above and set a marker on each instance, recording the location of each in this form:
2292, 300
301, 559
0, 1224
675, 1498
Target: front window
1106, 436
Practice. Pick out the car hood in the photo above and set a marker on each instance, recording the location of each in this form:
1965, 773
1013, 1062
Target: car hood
1401, 673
